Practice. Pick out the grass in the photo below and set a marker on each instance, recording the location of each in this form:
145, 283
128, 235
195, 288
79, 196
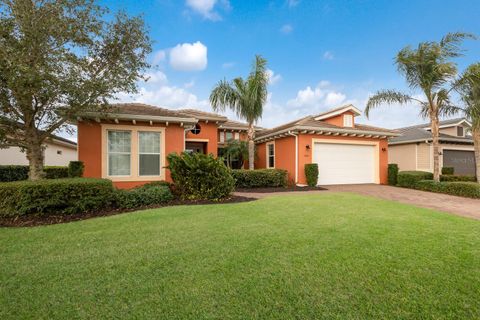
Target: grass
303, 256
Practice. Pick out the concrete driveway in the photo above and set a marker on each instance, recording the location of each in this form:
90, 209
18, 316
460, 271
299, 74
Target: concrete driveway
457, 205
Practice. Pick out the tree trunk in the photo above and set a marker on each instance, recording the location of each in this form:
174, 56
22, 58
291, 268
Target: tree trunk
435, 140
251, 147
35, 158
476, 145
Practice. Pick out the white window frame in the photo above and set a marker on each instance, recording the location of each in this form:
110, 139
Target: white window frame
268, 155
222, 137
159, 154
129, 153
348, 120
236, 136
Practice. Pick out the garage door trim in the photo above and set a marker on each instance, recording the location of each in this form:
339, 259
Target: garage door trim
376, 145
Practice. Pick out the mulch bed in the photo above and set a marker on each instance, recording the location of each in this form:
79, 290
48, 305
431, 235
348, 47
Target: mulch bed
279, 189
32, 220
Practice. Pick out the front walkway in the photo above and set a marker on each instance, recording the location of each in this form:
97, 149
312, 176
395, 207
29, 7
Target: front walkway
457, 205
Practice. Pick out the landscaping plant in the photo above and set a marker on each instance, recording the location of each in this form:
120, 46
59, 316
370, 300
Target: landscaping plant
448, 170
311, 173
408, 179
462, 189
198, 176
427, 68
75, 169
392, 174
260, 178
146, 195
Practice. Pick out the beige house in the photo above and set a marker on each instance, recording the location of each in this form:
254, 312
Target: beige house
413, 150
58, 152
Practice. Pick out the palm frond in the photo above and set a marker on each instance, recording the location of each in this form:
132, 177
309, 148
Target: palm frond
387, 97
450, 43
224, 95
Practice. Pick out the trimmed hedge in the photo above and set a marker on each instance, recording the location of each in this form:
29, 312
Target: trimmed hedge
56, 172
19, 173
462, 189
311, 173
146, 195
408, 179
56, 196
459, 178
392, 174
260, 178
448, 170
75, 169
200, 177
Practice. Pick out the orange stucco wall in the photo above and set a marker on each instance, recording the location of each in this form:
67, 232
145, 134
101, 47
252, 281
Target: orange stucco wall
90, 148
285, 154
209, 131
338, 120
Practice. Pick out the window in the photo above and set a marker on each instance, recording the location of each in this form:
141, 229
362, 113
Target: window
271, 155
460, 132
237, 136
197, 129
59, 152
149, 153
348, 120
222, 137
119, 148
229, 136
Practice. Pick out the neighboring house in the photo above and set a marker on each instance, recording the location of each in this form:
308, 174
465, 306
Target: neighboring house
58, 152
413, 150
129, 145
346, 152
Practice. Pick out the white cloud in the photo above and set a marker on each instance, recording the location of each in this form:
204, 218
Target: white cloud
272, 77
228, 65
319, 98
189, 56
293, 3
189, 84
286, 29
159, 56
206, 8
334, 98
157, 77
328, 55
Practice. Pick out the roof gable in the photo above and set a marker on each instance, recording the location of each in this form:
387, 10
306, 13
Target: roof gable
338, 111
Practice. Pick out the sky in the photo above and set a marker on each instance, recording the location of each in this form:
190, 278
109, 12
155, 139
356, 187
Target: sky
321, 54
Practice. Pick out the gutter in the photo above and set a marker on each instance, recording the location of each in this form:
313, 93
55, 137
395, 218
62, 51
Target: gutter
147, 118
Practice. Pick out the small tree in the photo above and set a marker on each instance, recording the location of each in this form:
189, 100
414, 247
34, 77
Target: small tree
246, 98
427, 68
235, 150
469, 88
57, 60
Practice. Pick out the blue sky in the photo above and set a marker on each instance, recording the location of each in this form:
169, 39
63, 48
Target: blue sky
321, 53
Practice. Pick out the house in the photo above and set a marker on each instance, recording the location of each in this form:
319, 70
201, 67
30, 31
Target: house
130, 143
58, 152
413, 150
346, 152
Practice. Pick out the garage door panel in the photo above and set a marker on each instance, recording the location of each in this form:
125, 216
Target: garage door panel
344, 163
462, 161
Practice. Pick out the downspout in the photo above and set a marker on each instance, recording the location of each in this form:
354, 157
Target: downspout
296, 154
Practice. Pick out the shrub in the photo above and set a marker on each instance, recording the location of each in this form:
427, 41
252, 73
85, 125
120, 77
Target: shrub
56, 196
146, 195
200, 177
75, 169
392, 174
262, 178
13, 173
460, 178
462, 189
408, 179
448, 170
56, 172
311, 173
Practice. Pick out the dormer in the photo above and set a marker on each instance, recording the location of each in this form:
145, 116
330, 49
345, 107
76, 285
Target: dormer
454, 127
340, 117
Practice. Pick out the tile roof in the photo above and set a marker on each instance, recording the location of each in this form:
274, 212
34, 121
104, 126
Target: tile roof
144, 109
441, 123
417, 134
203, 115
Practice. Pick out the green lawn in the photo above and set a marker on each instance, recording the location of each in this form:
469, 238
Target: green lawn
284, 257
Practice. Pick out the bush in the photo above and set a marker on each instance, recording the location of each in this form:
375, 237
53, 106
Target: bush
56, 172
262, 178
149, 194
392, 174
56, 196
459, 178
462, 189
13, 173
75, 169
311, 173
408, 179
200, 177
448, 170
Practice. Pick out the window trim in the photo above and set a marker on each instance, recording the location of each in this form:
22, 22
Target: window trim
159, 154
134, 164
348, 123
108, 155
272, 143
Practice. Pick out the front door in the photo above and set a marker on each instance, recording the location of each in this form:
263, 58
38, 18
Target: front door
196, 147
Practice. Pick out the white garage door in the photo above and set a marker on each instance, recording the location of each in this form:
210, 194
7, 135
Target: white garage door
344, 163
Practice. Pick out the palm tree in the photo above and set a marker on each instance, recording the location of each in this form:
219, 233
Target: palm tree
246, 98
469, 88
427, 68
235, 150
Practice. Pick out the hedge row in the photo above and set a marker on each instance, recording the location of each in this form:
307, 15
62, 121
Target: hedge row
408, 179
311, 173
459, 178
462, 189
261, 178
74, 195
18, 173
392, 174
